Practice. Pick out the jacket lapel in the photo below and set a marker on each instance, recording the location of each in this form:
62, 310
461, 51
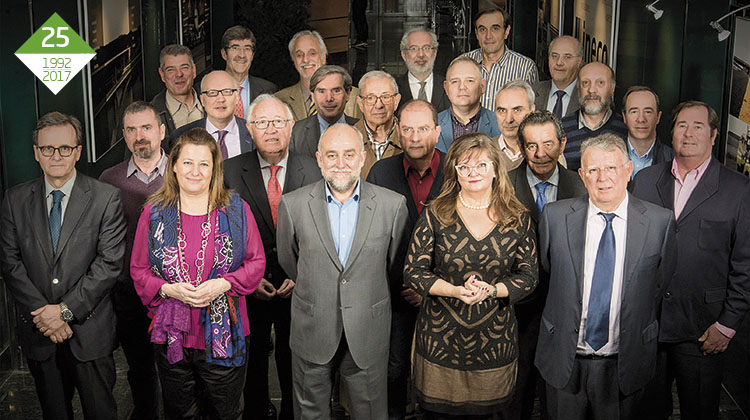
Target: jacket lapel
665, 188
637, 228
707, 186
253, 180
366, 213
576, 224
38, 210
77, 205
319, 212
523, 191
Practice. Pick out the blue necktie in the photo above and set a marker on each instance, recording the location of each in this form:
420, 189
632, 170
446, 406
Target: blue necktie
55, 217
541, 199
557, 110
597, 322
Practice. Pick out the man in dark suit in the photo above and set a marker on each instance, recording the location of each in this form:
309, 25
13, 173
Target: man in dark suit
62, 240
260, 177
538, 180
418, 176
330, 87
238, 50
640, 111
708, 298
219, 97
610, 257
560, 94
419, 50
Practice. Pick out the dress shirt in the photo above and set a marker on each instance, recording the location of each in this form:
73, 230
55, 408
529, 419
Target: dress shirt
414, 86
245, 95
342, 218
595, 225
144, 177
420, 185
67, 188
552, 98
180, 113
323, 124
379, 147
510, 66
231, 139
550, 193
640, 162
265, 170
504, 147
459, 128
582, 123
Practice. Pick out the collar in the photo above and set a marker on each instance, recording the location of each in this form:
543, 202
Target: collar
504, 147
634, 154
568, 89
132, 167
696, 173
305, 91
245, 82
414, 81
554, 179
472, 120
387, 136
354, 196
264, 164
621, 211
433, 168
173, 103
502, 58
324, 123
582, 122
67, 187
231, 128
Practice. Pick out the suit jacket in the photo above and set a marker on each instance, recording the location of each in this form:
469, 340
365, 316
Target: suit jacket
246, 141
541, 90
294, 97
329, 299
81, 273
662, 153
392, 148
306, 133
242, 174
439, 98
259, 86
487, 125
712, 281
649, 263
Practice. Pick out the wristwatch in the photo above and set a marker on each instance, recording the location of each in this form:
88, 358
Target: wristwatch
65, 313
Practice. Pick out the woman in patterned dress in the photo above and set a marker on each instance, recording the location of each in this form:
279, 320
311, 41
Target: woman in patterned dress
472, 256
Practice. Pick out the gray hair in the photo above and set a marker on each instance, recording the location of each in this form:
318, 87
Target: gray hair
300, 34
265, 97
607, 142
520, 84
464, 58
432, 35
359, 133
578, 43
377, 74
175, 50
324, 71
140, 106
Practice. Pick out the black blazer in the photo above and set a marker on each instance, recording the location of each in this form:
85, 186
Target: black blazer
662, 153
246, 141
242, 174
712, 281
81, 273
259, 86
439, 98
306, 133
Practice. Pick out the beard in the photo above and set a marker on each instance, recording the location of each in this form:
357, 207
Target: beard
143, 152
599, 107
338, 185
423, 70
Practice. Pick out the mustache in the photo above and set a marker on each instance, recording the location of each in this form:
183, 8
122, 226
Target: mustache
592, 96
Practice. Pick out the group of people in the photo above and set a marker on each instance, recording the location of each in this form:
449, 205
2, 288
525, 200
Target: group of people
482, 235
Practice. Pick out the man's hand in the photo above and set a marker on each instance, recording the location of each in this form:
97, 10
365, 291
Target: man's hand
62, 334
285, 291
47, 318
714, 342
411, 297
265, 290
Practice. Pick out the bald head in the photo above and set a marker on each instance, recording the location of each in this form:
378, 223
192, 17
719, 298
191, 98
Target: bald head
596, 88
219, 108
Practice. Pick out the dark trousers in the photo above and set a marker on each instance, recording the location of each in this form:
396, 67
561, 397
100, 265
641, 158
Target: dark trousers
593, 393
57, 377
399, 361
528, 380
698, 382
132, 333
195, 389
264, 314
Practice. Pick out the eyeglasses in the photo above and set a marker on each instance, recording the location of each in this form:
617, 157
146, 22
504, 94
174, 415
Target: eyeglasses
237, 48
263, 124
480, 168
607, 170
212, 93
385, 98
49, 151
425, 49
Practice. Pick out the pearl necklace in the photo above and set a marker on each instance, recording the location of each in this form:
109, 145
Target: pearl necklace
480, 207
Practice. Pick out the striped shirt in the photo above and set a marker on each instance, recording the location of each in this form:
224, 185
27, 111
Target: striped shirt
509, 67
576, 132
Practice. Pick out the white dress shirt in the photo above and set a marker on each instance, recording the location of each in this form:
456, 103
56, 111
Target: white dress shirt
414, 86
231, 139
67, 189
552, 97
265, 171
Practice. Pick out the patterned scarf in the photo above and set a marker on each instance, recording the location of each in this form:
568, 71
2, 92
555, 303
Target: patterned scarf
225, 341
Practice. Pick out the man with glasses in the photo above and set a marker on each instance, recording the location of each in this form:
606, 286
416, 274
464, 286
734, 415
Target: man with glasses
378, 100
610, 257
62, 241
260, 177
238, 50
219, 95
419, 49
560, 94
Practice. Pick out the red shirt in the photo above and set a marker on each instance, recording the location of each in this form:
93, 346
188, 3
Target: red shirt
420, 185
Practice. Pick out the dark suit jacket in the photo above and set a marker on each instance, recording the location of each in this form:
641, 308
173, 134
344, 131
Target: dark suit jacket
246, 141
306, 133
242, 174
439, 98
541, 90
662, 153
712, 281
650, 256
259, 86
81, 273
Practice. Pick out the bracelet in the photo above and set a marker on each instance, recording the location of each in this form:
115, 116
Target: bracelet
494, 292
162, 294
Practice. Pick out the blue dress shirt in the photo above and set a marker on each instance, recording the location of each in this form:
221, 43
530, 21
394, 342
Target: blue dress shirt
343, 221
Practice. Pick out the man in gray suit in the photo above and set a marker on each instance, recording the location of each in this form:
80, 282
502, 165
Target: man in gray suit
340, 239
565, 54
610, 257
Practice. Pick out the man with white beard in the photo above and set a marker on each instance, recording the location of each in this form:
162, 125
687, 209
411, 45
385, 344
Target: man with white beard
596, 88
419, 50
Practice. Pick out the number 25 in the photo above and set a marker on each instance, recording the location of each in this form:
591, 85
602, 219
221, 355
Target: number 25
60, 35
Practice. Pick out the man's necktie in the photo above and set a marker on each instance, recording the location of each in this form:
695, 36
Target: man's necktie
311, 108
55, 217
557, 110
223, 144
597, 321
239, 108
541, 199
274, 192
422, 95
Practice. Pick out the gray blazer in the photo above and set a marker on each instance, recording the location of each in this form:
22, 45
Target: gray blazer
329, 299
541, 90
650, 258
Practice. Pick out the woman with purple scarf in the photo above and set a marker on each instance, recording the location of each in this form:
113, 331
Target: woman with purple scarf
197, 252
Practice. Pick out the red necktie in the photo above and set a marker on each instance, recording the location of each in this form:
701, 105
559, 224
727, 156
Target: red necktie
274, 192
239, 109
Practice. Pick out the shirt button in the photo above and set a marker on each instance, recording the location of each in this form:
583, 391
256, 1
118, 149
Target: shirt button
343, 281
343, 236
55, 281
667, 295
